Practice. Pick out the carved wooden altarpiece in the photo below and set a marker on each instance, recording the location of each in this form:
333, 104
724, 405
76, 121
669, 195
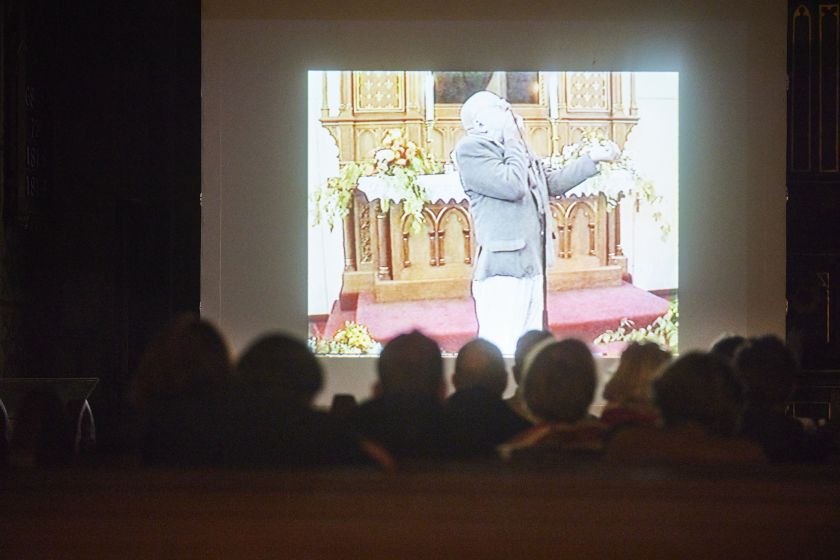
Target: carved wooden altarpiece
385, 256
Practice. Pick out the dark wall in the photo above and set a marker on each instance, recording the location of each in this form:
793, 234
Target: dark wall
813, 205
102, 130
813, 216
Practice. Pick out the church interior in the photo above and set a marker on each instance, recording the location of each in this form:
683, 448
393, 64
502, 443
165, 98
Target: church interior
105, 200
388, 262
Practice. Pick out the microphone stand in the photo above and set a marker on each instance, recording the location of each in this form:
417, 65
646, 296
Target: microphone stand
543, 226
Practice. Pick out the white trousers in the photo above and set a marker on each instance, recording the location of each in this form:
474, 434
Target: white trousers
507, 307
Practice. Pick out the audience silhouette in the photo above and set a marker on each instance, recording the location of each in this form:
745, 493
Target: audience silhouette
523, 346
768, 371
725, 407
475, 416
179, 388
726, 346
559, 381
405, 414
629, 393
269, 415
700, 400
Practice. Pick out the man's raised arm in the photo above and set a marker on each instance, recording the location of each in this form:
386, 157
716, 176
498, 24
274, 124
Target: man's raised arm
571, 175
488, 172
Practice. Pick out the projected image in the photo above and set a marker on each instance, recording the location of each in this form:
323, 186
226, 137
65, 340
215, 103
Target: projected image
466, 204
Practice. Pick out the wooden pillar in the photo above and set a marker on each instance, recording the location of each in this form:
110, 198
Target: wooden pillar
619, 252
325, 104
634, 106
610, 219
350, 239
383, 229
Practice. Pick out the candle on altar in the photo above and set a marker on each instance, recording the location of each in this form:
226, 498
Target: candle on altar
552, 95
430, 96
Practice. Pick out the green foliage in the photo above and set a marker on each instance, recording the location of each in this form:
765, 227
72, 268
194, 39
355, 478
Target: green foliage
413, 195
332, 202
643, 188
352, 338
663, 331
399, 162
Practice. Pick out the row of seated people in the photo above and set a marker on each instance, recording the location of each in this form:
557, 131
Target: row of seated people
726, 406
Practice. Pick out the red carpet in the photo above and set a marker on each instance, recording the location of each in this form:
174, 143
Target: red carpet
580, 313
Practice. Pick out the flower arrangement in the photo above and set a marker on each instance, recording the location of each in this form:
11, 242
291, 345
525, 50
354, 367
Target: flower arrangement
352, 338
663, 331
399, 161
397, 152
615, 179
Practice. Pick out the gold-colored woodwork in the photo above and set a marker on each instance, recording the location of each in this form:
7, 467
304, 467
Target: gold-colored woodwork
435, 262
443, 247
378, 92
391, 100
586, 101
386, 256
587, 250
587, 92
398, 263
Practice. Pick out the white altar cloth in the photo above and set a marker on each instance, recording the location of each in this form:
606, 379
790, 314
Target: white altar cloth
441, 187
444, 187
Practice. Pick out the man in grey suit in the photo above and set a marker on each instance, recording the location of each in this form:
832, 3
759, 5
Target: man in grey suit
509, 190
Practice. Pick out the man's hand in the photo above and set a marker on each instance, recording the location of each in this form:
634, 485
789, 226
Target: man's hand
512, 130
604, 152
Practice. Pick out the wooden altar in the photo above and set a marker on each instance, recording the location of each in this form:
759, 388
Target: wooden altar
383, 255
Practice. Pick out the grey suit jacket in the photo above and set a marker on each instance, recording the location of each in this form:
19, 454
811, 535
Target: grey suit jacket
508, 193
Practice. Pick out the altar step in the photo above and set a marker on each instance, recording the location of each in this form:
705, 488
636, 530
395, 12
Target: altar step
583, 313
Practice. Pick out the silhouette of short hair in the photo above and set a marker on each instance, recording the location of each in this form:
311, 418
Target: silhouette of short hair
523, 346
767, 368
726, 345
411, 364
702, 388
188, 356
639, 365
282, 365
560, 382
480, 364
